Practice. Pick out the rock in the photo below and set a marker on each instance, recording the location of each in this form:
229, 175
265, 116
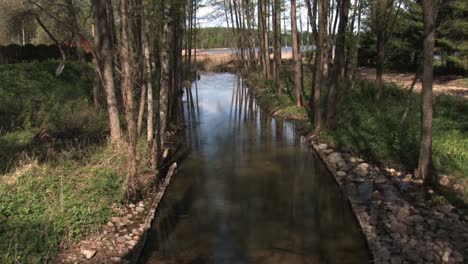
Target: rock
140, 209
88, 253
322, 146
132, 243
395, 260
115, 220
413, 256
110, 224
342, 165
362, 169
397, 227
446, 256
119, 260
403, 213
380, 179
141, 204
135, 231
327, 151
357, 179
131, 205
341, 174
458, 256
383, 254
335, 157
121, 239
446, 208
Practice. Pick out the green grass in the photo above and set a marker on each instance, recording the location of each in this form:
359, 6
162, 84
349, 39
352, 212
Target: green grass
373, 128
30, 91
58, 176
283, 104
49, 205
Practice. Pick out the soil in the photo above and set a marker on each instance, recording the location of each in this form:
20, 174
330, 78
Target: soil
453, 85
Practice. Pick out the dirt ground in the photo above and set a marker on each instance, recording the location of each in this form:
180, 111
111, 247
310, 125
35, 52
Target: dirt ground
449, 84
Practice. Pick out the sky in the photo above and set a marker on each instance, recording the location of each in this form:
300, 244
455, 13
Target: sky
213, 15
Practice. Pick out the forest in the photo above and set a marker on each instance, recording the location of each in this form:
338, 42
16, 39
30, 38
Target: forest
105, 103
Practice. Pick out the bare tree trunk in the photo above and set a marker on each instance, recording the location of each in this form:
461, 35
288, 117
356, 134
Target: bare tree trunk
266, 41
339, 79
103, 44
128, 91
165, 71
261, 28
426, 168
353, 57
296, 56
96, 84
63, 56
277, 40
75, 30
379, 63
141, 109
319, 81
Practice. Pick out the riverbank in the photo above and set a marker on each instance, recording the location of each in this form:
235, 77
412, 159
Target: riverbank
61, 180
401, 220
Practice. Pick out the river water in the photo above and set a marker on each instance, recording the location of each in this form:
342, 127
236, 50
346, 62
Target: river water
250, 191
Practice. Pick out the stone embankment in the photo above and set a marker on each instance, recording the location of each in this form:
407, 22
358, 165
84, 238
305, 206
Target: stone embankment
122, 239
402, 221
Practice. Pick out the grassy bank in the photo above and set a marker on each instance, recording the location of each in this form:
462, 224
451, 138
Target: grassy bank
58, 175
372, 128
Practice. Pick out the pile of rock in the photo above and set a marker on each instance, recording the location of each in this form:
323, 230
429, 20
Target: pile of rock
400, 225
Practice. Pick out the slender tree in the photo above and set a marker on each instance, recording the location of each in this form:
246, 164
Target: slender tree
296, 55
339, 79
319, 81
104, 56
277, 41
426, 168
128, 94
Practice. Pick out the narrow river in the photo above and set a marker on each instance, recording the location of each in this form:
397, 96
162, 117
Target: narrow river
250, 191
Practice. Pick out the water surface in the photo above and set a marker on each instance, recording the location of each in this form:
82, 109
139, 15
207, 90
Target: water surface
250, 191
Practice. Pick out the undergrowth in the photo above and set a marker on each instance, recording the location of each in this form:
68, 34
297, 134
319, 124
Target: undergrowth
58, 175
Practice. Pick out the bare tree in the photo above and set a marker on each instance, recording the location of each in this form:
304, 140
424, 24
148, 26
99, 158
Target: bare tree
426, 168
296, 55
339, 79
104, 56
381, 13
277, 41
319, 81
128, 94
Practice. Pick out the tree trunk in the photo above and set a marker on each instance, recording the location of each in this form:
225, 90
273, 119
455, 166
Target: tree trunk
296, 56
266, 41
128, 90
165, 71
103, 44
96, 83
277, 37
425, 169
379, 62
319, 81
339, 79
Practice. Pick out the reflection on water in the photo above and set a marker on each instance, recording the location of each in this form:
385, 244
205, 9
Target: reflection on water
249, 192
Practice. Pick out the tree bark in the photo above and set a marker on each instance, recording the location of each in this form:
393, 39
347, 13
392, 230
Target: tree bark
296, 56
103, 44
165, 71
426, 168
339, 79
319, 81
128, 90
277, 38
